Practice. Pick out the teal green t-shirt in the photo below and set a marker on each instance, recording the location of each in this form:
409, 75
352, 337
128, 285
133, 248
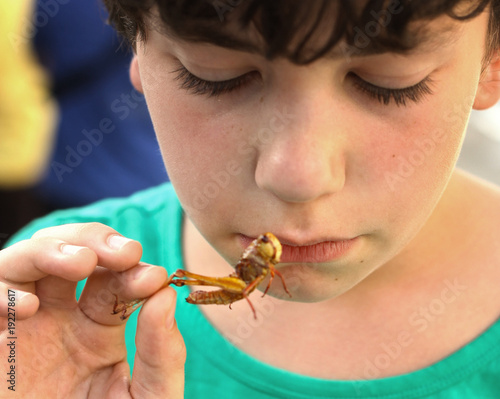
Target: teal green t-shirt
216, 369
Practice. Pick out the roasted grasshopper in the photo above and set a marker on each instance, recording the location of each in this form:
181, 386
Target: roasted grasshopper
258, 260
255, 264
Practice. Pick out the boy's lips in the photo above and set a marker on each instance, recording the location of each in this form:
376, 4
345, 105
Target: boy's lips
317, 252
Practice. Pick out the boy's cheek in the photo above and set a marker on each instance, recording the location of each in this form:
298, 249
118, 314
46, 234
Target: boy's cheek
422, 163
407, 164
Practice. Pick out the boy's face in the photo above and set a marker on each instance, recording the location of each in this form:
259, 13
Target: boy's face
312, 153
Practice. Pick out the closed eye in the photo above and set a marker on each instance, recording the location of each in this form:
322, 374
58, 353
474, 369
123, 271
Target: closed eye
210, 88
400, 97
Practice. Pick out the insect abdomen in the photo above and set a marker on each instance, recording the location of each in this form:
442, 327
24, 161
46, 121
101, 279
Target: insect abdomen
218, 297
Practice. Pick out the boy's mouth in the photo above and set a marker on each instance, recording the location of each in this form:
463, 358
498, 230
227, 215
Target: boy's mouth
317, 252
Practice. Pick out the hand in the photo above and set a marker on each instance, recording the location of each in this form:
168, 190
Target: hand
69, 349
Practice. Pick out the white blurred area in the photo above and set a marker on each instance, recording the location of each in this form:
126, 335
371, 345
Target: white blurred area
481, 150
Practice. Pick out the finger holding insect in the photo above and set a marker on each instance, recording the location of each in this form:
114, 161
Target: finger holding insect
38, 258
109, 297
113, 250
54, 259
46, 270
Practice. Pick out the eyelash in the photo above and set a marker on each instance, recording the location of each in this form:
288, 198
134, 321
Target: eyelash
195, 85
415, 93
383, 95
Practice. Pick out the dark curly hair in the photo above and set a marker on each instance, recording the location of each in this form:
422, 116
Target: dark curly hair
280, 21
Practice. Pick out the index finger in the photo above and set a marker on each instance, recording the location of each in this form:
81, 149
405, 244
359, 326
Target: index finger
31, 260
113, 251
27, 262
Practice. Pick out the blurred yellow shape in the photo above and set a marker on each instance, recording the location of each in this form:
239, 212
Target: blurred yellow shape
27, 111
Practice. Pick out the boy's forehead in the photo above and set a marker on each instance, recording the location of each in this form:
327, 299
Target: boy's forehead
422, 36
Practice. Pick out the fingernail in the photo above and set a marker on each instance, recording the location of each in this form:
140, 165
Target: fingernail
68, 249
22, 294
139, 271
117, 242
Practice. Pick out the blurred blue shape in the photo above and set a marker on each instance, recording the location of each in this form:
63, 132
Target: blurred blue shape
105, 144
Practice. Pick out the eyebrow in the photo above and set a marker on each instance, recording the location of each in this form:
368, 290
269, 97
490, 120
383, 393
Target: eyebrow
423, 40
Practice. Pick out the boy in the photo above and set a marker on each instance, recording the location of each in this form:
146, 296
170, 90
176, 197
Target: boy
334, 125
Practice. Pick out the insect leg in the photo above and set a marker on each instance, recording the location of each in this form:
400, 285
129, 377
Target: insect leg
250, 287
229, 283
273, 272
251, 306
123, 307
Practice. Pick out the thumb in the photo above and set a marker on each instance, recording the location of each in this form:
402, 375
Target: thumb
161, 353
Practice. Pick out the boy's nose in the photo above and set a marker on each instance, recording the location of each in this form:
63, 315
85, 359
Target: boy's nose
301, 163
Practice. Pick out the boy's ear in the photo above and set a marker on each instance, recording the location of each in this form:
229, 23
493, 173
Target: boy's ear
488, 92
135, 76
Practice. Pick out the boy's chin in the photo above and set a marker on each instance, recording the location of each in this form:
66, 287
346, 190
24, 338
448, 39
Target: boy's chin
305, 283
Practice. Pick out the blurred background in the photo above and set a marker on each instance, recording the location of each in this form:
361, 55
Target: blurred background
481, 151
72, 128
